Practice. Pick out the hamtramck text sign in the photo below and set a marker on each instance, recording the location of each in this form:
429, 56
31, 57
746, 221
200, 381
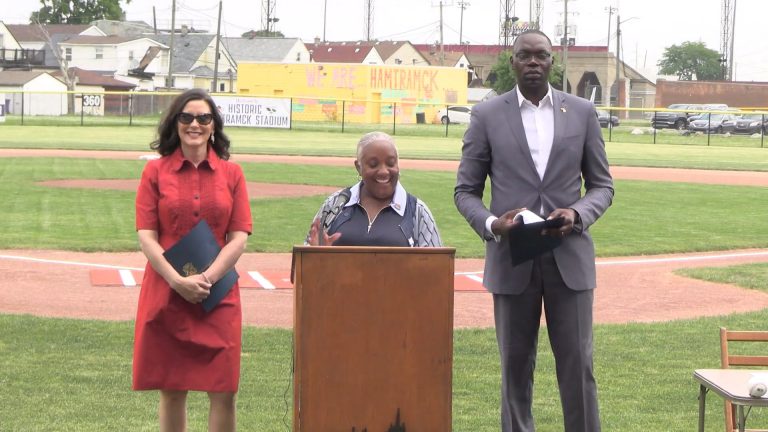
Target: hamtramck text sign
254, 112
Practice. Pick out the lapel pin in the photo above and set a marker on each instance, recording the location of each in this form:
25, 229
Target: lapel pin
563, 109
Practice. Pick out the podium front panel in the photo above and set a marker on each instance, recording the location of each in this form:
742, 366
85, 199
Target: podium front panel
373, 331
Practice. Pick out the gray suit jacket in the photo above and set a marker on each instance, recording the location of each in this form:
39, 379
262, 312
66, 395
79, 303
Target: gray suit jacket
495, 146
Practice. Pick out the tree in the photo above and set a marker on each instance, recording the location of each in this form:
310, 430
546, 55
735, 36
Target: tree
262, 33
77, 11
502, 78
689, 60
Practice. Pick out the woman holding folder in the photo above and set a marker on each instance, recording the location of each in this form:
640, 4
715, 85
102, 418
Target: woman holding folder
179, 346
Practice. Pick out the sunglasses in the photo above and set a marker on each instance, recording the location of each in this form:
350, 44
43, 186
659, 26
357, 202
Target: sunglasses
202, 119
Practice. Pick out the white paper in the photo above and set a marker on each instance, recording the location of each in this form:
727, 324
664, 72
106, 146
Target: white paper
528, 217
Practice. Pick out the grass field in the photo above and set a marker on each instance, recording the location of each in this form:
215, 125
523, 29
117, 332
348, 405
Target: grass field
646, 217
72, 375
313, 143
626, 133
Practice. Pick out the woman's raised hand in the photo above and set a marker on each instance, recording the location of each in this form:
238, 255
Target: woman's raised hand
320, 237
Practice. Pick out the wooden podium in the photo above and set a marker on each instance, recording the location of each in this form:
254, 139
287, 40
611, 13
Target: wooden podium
373, 339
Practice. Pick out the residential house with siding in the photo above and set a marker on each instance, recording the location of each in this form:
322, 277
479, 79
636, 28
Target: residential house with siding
115, 56
194, 61
26, 46
34, 93
267, 50
344, 52
392, 52
99, 94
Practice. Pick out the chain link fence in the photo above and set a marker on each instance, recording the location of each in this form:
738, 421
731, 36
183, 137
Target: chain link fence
731, 127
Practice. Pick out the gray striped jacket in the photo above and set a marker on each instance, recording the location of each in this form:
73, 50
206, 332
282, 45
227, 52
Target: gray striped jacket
425, 230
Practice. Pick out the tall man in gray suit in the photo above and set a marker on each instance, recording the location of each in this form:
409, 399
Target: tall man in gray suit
538, 146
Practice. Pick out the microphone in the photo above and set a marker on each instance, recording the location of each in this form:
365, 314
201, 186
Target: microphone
757, 386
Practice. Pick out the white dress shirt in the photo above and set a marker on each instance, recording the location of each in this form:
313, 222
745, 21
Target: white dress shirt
539, 125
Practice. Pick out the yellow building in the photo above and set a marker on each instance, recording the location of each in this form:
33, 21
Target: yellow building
356, 93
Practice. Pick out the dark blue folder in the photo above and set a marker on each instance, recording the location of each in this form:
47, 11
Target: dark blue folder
193, 254
526, 241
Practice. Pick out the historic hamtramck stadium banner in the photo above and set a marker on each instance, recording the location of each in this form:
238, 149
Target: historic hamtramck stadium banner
2, 107
254, 111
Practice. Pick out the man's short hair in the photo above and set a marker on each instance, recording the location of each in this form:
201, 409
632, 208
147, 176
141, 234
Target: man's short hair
531, 31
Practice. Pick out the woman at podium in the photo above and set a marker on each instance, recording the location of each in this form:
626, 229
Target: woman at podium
377, 210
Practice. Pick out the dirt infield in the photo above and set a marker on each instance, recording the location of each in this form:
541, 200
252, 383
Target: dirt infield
630, 289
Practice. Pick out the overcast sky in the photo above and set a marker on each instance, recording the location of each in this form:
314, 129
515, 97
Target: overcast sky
648, 26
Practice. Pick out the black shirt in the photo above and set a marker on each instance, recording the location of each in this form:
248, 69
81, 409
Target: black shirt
384, 231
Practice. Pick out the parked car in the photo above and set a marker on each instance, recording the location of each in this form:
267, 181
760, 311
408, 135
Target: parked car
604, 116
709, 107
454, 114
677, 119
751, 124
717, 123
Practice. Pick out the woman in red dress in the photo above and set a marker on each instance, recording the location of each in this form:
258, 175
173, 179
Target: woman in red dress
178, 346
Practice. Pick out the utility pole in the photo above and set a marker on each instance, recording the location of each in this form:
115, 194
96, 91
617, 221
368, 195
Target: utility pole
169, 84
565, 46
325, 10
463, 5
216, 54
442, 47
610, 10
369, 20
618, 56
733, 37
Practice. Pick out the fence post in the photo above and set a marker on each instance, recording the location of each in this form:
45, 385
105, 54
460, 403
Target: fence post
762, 130
290, 111
130, 109
709, 128
394, 117
22, 107
447, 122
343, 112
82, 107
610, 124
653, 126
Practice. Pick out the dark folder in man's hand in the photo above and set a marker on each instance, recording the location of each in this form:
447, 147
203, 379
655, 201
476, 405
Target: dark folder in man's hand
193, 254
526, 241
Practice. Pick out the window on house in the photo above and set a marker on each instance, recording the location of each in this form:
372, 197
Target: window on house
99, 53
221, 87
68, 54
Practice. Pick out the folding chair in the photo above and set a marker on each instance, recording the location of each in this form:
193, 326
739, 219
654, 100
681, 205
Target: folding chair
727, 359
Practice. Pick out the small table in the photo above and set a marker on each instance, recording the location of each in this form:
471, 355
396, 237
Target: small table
731, 385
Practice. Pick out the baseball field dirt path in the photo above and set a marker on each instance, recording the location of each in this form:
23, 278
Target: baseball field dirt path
630, 289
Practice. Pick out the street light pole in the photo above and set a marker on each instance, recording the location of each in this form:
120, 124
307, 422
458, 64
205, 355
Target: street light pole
325, 10
610, 10
618, 57
463, 5
565, 47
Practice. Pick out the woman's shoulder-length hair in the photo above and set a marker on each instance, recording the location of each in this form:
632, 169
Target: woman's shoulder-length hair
167, 140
